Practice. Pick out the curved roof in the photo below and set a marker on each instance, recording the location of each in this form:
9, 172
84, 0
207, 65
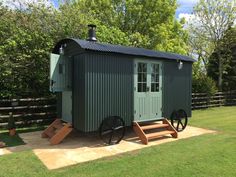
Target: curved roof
102, 47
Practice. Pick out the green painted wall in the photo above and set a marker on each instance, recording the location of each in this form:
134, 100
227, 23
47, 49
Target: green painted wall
59, 104
109, 88
102, 85
177, 87
78, 100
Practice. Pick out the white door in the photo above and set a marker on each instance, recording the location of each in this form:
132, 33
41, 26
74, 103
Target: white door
147, 90
67, 106
60, 73
57, 70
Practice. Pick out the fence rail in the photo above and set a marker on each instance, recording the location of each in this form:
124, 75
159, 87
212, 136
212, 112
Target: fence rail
28, 111
202, 100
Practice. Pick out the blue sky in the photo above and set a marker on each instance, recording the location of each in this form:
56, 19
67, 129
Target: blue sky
55, 2
184, 10
185, 6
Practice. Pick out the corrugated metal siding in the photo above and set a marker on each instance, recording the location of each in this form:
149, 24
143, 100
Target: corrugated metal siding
78, 97
103, 86
59, 104
108, 89
177, 88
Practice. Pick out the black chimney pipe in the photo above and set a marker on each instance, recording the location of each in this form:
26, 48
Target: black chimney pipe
92, 33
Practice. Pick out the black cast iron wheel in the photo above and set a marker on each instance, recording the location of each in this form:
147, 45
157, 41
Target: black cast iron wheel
112, 130
179, 120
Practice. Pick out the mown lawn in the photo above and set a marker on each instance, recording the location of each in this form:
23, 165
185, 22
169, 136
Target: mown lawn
210, 155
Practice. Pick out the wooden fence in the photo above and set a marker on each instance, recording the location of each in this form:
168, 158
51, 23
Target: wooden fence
28, 111
201, 100
41, 111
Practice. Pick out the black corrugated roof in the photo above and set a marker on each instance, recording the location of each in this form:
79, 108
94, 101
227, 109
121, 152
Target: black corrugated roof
102, 47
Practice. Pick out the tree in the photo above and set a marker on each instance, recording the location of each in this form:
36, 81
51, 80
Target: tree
149, 24
213, 19
26, 36
29, 31
226, 48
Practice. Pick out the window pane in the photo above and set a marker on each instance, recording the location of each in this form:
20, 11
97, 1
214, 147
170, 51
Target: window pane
139, 87
155, 87
144, 78
144, 87
153, 79
155, 68
157, 78
139, 77
139, 67
142, 67
152, 87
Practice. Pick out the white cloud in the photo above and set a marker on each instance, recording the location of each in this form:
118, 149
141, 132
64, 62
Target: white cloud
18, 4
187, 2
188, 17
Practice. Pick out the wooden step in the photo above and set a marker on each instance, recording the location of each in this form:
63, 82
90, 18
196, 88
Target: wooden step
158, 134
137, 129
153, 126
50, 134
57, 131
58, 126
61, 134
171, 128
167, 128
47, 132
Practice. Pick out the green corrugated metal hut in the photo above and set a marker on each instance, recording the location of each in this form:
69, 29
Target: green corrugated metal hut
96, 80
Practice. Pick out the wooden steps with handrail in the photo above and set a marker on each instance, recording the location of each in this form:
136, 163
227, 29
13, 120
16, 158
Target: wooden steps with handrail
153, 130
57, 131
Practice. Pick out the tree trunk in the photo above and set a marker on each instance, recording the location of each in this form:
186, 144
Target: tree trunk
220, 76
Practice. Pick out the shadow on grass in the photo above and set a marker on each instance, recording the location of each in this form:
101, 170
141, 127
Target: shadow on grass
16, 140
11, 140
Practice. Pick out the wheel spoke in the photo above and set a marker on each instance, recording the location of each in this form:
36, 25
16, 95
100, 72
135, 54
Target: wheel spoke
111, 136
181, 123
106, 131
177, 126
112, 129
119, 127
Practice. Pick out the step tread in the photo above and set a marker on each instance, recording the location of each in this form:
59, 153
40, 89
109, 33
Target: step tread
50, 133
58, 126
153, 126
157, 134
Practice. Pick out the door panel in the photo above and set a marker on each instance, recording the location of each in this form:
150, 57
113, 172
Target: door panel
56, 73
155, 92
140, 102
147, 90
60, 73
67, 106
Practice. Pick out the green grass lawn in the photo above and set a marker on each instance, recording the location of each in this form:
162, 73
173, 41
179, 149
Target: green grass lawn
210, 155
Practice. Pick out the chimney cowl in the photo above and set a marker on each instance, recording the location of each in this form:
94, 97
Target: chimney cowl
92, 33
